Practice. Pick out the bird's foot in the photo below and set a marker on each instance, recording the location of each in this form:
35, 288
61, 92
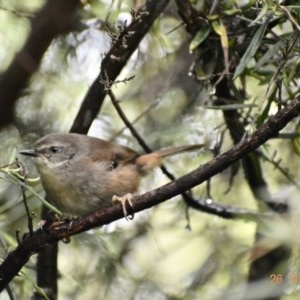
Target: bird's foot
126, 199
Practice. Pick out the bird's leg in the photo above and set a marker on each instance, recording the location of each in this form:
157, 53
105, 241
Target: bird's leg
126, 199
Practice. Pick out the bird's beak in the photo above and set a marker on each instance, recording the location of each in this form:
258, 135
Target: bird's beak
29, 152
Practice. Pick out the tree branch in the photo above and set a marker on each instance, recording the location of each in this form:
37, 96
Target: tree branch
55, 18
112, 64
114, 61
32, 244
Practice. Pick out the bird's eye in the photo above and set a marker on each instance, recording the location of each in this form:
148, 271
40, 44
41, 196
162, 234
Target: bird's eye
54, 149
115, 164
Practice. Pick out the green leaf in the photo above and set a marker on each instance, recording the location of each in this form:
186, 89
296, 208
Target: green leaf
269, 54
201, 35
262, 14
232, 12
45, 202
212, 17
220, 29
264, 149
9, 239
253, 47
38, 289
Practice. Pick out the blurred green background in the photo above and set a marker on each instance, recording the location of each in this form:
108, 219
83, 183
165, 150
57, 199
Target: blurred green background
166, 252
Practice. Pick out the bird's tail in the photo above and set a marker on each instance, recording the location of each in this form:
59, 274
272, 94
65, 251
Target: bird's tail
147, 162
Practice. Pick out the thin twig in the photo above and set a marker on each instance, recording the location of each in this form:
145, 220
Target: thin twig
141, 115
290, 17
24, 174
283, 171
187, 196
17, 258
123, 117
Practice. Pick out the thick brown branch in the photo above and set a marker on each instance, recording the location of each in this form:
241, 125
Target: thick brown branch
32, 244
55, 18
190, 201
114, 61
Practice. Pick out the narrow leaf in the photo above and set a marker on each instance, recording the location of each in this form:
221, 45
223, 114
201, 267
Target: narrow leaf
270, 53
220, 29
253, 47
262, 14
201, 35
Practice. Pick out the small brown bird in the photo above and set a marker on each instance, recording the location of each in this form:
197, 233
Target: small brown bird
81, 174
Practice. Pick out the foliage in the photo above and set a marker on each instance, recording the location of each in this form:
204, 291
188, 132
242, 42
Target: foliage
207, 71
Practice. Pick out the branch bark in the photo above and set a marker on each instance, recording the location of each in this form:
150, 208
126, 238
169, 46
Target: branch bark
114, 61
56, 17
264, 265
32, 244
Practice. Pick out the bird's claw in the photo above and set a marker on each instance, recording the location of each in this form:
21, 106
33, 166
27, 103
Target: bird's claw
126, 199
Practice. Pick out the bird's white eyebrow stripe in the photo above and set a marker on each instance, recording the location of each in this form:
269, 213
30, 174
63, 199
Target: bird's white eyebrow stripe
47, 147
